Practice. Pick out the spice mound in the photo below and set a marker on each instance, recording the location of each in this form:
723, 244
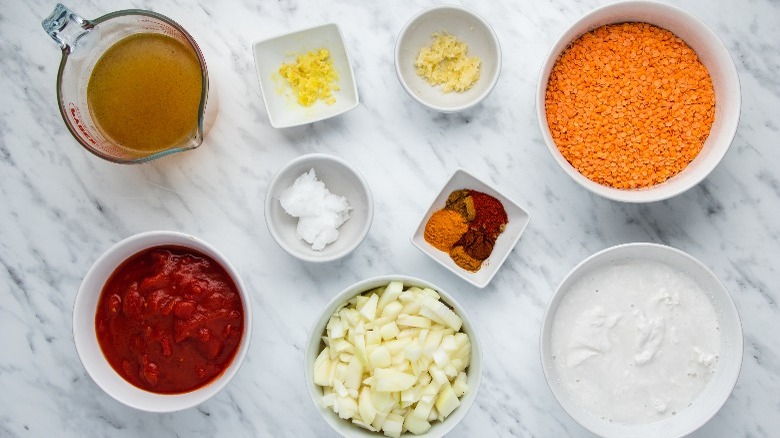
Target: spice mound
312, 77
320, 213
629, 105
467, 227
445, 63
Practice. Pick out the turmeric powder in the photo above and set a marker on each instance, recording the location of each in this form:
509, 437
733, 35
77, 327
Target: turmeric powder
444, 228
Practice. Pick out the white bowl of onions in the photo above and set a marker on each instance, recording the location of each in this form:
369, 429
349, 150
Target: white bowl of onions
393, 355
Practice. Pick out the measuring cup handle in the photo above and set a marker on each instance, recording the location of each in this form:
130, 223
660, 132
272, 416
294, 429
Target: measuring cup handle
66, 27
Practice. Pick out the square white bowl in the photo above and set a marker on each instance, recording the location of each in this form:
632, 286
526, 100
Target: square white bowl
518, 221
280, 103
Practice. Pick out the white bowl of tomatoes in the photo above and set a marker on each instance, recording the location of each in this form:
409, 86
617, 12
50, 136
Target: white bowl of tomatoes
162, 321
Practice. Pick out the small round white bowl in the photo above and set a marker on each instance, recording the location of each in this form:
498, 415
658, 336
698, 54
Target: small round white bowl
715, 393
340, 179
466, 26
314, 346
712, 53
85, 337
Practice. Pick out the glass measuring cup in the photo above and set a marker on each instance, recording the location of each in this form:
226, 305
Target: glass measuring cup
83, 42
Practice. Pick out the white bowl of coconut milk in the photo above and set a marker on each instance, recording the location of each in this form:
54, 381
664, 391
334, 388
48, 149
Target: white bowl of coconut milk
641, 340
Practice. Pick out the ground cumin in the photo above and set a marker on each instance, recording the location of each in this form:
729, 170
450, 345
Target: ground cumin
629, 105
462, 202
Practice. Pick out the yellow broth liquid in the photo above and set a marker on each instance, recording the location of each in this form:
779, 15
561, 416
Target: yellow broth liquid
144, 93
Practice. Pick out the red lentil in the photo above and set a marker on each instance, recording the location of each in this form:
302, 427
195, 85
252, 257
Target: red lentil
629, 105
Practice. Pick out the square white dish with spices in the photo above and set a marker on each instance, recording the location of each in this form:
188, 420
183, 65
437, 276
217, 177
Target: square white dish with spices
506, 241
280, 102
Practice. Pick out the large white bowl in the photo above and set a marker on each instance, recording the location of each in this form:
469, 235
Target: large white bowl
466, 26
85, 337
314, 345
339, 178
712, 53
723, 380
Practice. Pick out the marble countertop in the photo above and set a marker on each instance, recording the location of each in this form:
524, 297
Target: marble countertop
61, 207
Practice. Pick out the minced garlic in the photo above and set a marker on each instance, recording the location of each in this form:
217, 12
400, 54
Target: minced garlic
445, 63
312, 77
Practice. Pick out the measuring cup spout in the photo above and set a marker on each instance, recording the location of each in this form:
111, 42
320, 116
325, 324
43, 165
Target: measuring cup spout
66, 27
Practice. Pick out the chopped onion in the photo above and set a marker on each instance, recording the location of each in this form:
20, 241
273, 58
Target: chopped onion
394, 360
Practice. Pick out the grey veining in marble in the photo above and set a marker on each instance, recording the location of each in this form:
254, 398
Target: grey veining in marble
61, 207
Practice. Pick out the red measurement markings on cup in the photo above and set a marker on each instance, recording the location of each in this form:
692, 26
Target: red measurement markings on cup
76, 114
156, 26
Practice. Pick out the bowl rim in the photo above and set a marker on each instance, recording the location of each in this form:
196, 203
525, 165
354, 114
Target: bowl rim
313, 344
167, 402
397, 58
265, 93
727, 299
317, 157
428, 250
647, 194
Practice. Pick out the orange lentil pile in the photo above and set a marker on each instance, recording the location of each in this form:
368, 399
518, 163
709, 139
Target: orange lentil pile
629, 105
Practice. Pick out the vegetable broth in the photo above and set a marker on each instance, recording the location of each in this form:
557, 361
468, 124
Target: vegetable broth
144, 92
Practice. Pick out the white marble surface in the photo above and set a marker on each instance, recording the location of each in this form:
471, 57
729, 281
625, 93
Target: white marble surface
62, 207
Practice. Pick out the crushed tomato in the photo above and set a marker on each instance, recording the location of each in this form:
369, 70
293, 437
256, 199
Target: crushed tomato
169, 319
